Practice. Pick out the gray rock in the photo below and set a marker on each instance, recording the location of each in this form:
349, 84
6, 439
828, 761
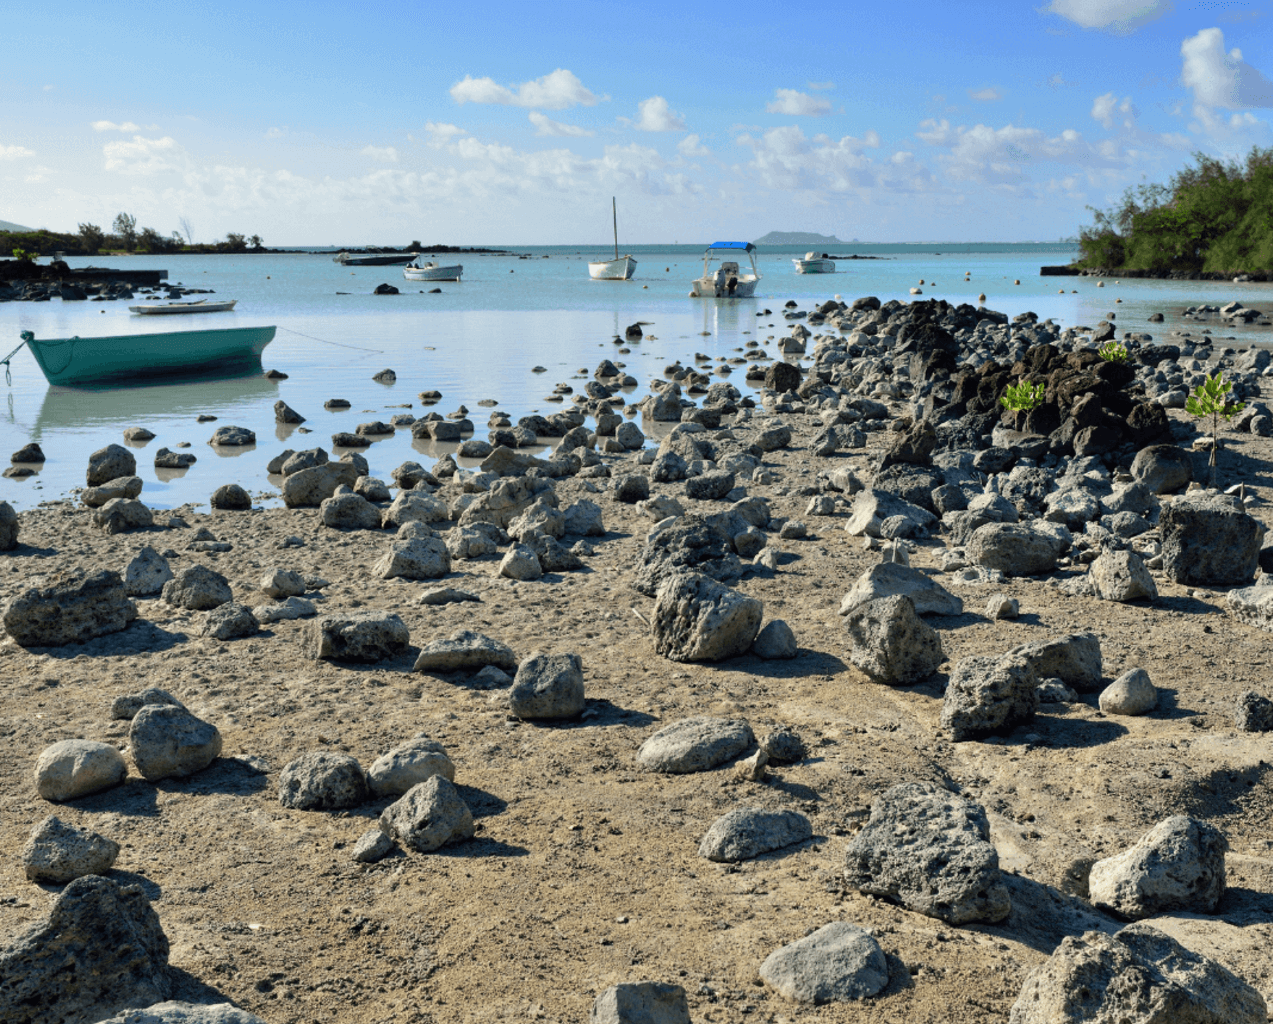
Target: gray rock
415, 761
310, 486
1178, 865
119, 515
1001, 606
643, 1002
630, 436
447, 595
411, 558
371, 488
698, 619
415, 507
548, 686
125, 708
428, 816
1017, 549
1253, 605
888, 579
1211, 542
775, 642
1162, 469
709, 486
1074, 658
282, 583
120, 487
987, 695
465, 542
838, 963
100, 950
1073, 508
349, 512
8, 527
1121, 576
891, 644
55, 853
1132, 693
230, 621
930, 851
74, 768
871, 508
187, 1013
465, 651
360, 636
169, 742
284, 413
110, 463
692, 543
783, 745
197, 588
1253, 713
322, 781
232, 437
1134, 497
521, 563
70, 607
164, 459
231, 498
695, 745
631, 488
747, 832
147, 573
372, 846
1055, 691
1137, 976
583, 519
292, 608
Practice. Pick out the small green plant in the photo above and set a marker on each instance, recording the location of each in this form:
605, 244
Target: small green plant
1022, 396
23, 256
1210, 398
1114, 352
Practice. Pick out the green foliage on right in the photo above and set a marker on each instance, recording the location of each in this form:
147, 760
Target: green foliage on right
1022, 396
1114, 352
1213, 217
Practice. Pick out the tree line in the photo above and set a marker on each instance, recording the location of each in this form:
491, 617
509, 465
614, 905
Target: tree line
1214, 217
124, 236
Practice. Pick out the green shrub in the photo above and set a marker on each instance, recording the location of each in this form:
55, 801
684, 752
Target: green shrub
1022, 396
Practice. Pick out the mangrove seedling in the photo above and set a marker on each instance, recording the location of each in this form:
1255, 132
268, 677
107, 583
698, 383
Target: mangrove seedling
1114, 352
1210, 398
1022, 396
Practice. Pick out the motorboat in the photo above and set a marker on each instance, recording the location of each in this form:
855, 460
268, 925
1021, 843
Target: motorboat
726, 281
374, 259
621, 268
812, 263
417, 271
137, 357
201, 306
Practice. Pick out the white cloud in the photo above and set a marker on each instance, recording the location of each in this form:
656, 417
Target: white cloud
1220, 79
145, 156
15, 152
691, 148
797, 104
277, 133
111, 126
556, 91
545, 125
384, 154
785, 159
1118, 15
987, 95
38, 174
820, 86
656, 116
1000, 156
441, 134
1107, 109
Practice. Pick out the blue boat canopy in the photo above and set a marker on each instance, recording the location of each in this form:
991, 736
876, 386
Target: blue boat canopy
746, 246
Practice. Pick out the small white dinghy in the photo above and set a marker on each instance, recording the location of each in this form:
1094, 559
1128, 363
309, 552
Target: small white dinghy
621, 268
812, 263
417, 271
202, 306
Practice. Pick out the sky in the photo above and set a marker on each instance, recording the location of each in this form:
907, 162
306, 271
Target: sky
516, 122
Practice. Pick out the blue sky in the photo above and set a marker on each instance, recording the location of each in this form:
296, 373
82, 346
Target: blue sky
515, 123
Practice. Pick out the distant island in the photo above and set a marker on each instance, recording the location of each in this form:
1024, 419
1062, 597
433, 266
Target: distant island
8, 225
796, 238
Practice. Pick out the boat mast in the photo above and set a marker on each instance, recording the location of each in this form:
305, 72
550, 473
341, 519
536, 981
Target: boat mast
615, 211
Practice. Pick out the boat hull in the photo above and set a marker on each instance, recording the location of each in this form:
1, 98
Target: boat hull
184, 307
133, 357
374, 260
814, 266
433, 273
621, 269
708, 288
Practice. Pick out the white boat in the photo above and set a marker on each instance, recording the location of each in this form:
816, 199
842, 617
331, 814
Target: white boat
202, 306
812, 263
727, 281
621, 268
417, 271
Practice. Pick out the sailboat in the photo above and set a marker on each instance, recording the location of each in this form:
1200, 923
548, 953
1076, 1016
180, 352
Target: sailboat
621, 268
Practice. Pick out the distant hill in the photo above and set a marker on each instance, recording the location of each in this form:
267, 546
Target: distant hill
7, 225
795, 238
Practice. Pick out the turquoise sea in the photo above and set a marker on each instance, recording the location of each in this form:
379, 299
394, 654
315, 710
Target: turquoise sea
480, 339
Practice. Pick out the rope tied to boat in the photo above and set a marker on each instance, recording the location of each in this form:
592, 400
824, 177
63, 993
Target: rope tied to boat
338, 344
8, 377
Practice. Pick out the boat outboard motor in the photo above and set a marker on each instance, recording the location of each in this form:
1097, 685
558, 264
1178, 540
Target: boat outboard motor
731, 284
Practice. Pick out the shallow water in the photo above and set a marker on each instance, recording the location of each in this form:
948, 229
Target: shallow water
480, 339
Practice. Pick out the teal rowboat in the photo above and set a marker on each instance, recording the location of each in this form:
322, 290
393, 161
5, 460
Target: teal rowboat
132, 357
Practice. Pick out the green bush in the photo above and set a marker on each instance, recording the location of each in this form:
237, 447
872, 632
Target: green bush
1022, 396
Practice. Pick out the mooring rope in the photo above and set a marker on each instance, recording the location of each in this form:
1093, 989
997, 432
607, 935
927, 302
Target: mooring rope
338, 344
